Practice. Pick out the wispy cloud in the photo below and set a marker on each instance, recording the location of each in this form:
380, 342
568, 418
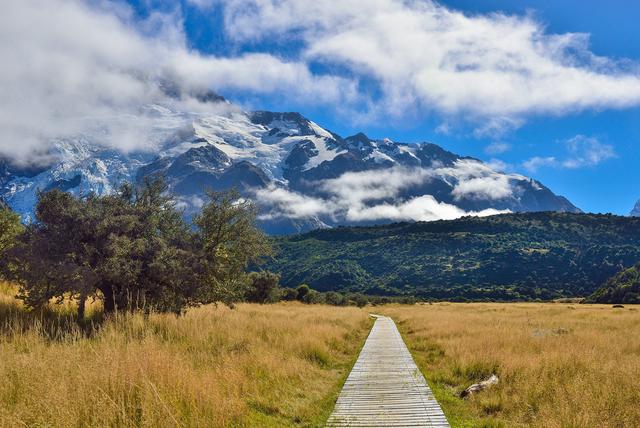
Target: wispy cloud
535, 163
497, 147
69, 64
379, 195
72, 66
581, 151
587, 151
494, 67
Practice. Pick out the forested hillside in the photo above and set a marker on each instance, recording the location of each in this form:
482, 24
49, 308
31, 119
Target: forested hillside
623, 287
506, 257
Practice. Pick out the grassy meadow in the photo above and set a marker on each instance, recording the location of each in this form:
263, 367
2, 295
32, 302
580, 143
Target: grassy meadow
560, 365
258, 365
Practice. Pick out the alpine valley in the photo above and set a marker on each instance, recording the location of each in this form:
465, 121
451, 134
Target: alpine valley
300, 175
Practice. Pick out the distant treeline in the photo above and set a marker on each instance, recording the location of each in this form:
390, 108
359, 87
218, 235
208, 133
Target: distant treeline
264, 287
524, 256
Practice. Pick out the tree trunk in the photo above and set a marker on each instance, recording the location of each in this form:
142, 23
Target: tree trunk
109, 303
81, 306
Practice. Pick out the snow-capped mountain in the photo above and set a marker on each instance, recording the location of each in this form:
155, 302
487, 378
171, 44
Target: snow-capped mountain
635, 212
301, 175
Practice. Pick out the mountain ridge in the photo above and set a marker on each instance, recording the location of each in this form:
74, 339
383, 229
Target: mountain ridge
301, 175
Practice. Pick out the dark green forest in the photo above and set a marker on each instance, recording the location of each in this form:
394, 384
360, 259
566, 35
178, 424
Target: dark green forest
525, 256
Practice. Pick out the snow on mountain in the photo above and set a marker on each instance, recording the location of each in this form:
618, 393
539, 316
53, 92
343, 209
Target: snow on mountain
301, 175
635, 212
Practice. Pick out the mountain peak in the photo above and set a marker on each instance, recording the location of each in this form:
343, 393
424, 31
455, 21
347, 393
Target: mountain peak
635, 212
360, 137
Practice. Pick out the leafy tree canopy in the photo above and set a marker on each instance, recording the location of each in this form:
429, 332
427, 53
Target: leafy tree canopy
135, 251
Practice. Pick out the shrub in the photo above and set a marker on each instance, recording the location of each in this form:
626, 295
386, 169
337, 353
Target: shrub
10, 228
288, 294
359, 300
263, 287
302, 291
335, 299
313, 297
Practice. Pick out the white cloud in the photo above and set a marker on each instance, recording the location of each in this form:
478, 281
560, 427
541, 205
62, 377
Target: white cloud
378, 195
74, 66
494, 67
71, 67
582, 152
493, 187
285, 203
499, 165
537, 162
202, 4
497, 147
587, 151
359, 187
476, 180
421, 208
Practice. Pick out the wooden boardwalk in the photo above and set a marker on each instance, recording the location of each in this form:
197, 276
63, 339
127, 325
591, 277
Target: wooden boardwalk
385, 387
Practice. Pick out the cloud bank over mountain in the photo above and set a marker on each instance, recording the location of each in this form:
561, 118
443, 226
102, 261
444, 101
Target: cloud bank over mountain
73, 66
378, 195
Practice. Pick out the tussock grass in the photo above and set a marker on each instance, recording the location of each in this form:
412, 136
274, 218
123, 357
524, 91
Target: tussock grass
276, 365
560, 365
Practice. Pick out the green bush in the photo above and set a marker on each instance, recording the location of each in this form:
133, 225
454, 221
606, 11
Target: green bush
288, 294
335, 299
302, 291
263, 287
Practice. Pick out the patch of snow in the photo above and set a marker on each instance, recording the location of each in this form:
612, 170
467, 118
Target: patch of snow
320, 132
380, 157
324, 152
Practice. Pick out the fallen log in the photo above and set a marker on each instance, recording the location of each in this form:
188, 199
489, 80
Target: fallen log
480, 386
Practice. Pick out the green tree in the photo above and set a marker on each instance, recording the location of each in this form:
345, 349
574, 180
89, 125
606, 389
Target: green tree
132, 249
228, 242
359, 300
263, 287
10, 228
303, 290
313, 297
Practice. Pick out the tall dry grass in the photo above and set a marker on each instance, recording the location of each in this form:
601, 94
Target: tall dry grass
276, 365
559, 365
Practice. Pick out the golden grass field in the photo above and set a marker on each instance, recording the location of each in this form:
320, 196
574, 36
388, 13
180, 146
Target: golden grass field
276, 365
560, 365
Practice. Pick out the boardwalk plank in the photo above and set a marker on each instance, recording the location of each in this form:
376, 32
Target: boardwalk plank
385, 387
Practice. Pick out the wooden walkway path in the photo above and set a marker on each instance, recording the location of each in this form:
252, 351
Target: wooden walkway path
385, 387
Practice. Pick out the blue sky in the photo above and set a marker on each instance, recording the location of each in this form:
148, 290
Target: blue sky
549, 89
609, 184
